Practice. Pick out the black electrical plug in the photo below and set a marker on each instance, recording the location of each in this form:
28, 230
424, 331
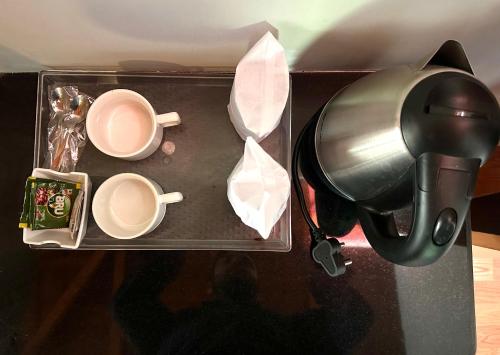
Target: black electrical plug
327, 253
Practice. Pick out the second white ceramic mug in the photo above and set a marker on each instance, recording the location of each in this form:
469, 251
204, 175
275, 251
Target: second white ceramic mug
128, 205
123, 124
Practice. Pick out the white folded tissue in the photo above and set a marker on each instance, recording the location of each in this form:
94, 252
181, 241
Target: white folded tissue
260, 89
258, 189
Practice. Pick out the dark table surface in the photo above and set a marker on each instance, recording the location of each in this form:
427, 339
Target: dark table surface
188, 302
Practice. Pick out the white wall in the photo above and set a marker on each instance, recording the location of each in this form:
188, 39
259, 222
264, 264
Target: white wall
170, 34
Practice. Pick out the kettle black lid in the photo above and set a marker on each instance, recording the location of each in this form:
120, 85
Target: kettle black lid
451, 113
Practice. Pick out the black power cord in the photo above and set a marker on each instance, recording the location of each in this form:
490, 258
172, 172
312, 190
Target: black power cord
325, 251
315, 231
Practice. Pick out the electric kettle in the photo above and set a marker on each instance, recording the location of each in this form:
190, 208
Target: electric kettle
413, 134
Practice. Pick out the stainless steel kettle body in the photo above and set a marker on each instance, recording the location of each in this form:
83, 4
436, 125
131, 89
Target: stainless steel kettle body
409, 135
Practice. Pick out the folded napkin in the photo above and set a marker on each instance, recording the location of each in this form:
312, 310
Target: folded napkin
258, 189
260, 89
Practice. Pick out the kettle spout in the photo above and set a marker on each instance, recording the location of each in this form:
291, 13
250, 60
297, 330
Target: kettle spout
450, 54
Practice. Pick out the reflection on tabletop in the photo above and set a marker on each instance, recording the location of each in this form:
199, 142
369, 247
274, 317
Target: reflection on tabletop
230, 319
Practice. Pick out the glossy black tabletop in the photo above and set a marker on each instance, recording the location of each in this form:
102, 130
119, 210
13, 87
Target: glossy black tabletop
206, 302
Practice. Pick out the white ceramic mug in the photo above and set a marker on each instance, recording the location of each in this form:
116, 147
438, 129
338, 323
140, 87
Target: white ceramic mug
123, 124
128, 205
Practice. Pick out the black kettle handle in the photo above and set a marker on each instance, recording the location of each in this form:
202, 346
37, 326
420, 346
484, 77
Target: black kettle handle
443, 187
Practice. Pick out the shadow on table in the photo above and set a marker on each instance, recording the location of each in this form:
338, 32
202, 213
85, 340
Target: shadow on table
231, 320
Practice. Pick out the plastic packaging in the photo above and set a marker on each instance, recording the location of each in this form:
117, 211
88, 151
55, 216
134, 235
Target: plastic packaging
66, 133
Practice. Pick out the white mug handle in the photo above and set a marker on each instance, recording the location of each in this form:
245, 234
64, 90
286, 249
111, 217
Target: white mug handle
168, 119
171, 197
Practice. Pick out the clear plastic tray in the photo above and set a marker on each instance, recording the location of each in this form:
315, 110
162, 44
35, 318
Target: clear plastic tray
207, 149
